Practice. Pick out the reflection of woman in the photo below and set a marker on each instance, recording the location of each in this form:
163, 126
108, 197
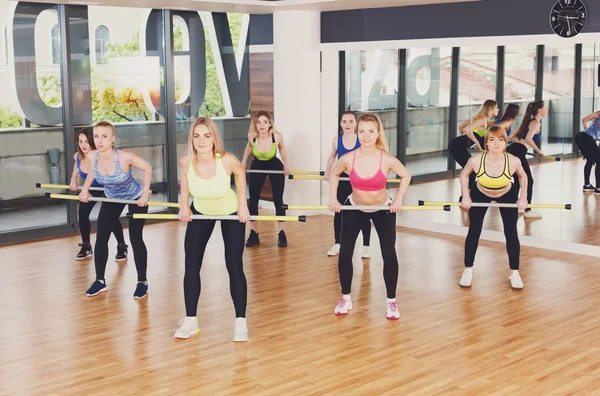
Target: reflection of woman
347, 138
586, 141
511, 114
523, 138
472, 132
85, 143
495, 169
263, 142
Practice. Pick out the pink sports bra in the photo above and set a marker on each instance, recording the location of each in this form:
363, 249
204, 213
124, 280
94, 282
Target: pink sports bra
376, 182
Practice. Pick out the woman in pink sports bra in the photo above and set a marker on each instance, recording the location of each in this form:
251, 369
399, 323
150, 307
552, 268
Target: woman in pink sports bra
368, 167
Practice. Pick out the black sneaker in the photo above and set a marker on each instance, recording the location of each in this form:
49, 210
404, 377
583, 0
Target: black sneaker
141, 290
253, 239
96, 288
588, 188
85, 252
282, 240
121, 252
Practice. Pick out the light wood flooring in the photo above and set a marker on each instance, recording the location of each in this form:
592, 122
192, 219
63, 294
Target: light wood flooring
485, 340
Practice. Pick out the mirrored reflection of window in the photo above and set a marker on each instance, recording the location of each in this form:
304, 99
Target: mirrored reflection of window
56, 44
428, 76
102, 37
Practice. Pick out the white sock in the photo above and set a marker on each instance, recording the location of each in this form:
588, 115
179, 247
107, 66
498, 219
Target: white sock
515, 272
468, 269
195, 319
240, 322
391, 300
346, 296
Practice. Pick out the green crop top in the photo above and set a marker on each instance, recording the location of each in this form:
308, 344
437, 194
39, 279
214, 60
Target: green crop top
259, 155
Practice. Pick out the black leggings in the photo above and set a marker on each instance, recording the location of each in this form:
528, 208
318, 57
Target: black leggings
591, 152
520, 150
84, 220
385, 225
509, 220
107, 219
459, 148
196, 237
344, 190
257, 180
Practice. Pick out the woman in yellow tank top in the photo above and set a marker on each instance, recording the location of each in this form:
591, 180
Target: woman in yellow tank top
495, 169
206, 174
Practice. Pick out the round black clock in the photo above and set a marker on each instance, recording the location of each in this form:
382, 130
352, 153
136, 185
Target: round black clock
568, 17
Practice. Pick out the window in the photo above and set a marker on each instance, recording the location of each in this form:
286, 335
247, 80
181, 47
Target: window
56, 44
102, 37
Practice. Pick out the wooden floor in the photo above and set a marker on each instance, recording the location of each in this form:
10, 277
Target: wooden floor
485, 340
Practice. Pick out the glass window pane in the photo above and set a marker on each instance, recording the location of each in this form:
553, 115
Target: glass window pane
31, 133
429, 72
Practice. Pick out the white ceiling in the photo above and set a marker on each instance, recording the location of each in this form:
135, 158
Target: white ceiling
254, 6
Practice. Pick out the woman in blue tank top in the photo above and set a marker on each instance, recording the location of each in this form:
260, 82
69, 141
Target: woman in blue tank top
586, 141
85, 143
112, 169
347, 137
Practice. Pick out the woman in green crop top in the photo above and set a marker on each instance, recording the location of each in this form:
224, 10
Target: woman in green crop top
263, 142
472, 130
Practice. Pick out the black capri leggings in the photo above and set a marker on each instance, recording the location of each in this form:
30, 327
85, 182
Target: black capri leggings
344, 190
85, 227
196, 237
509, 220
107, 219
257, 180
520, 150
591, 152
459, 148
385, 225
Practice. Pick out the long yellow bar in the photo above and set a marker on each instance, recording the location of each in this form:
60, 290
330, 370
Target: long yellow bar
121, 201
67, 187
165, 216
365, 207
315, 177
499, 205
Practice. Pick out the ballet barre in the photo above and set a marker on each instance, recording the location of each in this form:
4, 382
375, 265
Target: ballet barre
280, 172
498, 205
161, 216
364, 207
544, 156
315, 177
67, 187
109, 200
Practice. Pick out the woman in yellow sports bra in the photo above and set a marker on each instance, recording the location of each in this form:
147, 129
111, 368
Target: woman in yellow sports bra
472, 132
263, 142
206, 174
494, 169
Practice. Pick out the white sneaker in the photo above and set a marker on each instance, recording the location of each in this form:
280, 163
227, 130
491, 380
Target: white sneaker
530, 214
392, 311
365, 252
516, 282
335, 250
189, 327
343, 306
466, 279
240, 334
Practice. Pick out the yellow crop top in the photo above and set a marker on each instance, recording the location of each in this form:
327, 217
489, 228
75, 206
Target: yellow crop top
494, 183
214, 196
480, 132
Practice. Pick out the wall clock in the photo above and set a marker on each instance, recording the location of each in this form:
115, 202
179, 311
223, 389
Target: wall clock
568, 17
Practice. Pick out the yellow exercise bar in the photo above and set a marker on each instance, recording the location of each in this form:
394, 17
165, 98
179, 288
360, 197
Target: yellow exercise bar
67, 187
315, 177
161, 216
498, 205
365, 207
121, 201
280, 172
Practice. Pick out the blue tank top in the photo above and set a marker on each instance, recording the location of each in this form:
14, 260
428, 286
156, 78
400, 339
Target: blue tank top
536, 137
119, 185
83, 175
342, 150
594, 129
509, 128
